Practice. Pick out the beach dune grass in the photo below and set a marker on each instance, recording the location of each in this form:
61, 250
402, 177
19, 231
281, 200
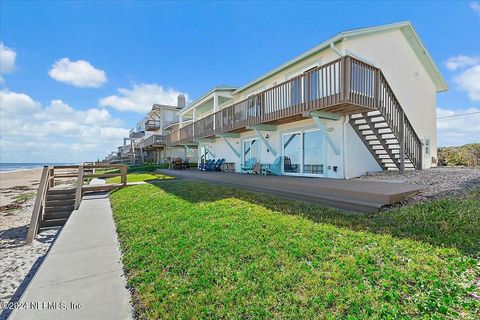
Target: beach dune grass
196, 250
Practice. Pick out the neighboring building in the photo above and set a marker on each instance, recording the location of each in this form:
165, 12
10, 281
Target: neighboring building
364, 100
146, 142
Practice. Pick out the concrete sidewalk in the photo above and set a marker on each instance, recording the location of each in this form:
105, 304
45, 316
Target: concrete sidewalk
82, 275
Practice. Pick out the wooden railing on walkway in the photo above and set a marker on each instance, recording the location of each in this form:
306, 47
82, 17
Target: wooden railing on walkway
73, 176
345, 86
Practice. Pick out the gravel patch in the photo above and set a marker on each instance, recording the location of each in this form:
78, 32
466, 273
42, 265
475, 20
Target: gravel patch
440, 182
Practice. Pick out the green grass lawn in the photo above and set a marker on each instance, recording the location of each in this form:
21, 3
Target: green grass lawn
138, 177
196, 250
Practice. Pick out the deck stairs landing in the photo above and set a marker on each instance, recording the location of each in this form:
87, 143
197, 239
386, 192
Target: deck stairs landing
381, 141
59, 205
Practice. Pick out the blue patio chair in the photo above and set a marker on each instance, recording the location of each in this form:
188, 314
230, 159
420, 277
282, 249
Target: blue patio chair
248, 166
211, 165
217, 166
203, 166
275, 168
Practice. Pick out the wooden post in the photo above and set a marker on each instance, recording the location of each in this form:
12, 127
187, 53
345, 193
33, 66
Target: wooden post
123, 171
377, 88
51, 177
78, 191
37, 207
346, 77
402, 142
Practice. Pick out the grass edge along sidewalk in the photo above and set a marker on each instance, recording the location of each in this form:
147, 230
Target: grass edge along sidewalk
191, 249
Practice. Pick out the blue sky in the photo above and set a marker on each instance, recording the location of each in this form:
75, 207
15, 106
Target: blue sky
159, 49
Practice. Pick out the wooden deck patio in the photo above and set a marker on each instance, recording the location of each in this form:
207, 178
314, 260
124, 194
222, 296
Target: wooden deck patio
363, 196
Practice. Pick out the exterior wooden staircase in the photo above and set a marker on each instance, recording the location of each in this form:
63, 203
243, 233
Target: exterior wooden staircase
59, 204
61, 190
386, 132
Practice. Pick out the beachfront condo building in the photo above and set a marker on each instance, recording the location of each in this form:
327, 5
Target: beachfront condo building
361, 101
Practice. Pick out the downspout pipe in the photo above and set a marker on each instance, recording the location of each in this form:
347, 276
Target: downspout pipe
334, 49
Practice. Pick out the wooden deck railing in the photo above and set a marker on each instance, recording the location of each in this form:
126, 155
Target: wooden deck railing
345, 86
152, 125
153, 140
65, 174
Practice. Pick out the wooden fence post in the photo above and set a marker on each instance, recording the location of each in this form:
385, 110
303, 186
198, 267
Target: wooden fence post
37, 207
78, 191
123, 171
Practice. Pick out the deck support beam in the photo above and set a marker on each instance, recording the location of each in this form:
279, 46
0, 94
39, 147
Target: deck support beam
232, 147
322, 115
263, 127
203, 142
323, 128
262, 138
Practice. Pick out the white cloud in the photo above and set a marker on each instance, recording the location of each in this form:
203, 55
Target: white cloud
469, 81
79, 73
12, 102
141, 98
468, 76
55, 133
460, 62
7, 60
475, 7
455, 131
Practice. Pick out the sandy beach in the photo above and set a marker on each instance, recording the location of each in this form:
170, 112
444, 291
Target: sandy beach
18, 261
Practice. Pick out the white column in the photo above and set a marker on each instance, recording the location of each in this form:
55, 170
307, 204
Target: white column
180, 120
194, 114
215, 102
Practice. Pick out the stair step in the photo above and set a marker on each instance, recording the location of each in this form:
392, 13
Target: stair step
53, 222
377, 119
57, 215
60, 197
59, 202
42, 229
61, 191
55, 209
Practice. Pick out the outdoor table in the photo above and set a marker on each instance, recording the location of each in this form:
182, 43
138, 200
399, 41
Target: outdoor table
228, 167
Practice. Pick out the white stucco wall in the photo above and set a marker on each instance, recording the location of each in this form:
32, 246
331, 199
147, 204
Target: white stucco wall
358, 157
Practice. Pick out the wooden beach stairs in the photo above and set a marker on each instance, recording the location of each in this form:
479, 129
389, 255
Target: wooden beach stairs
59, 204
61, 190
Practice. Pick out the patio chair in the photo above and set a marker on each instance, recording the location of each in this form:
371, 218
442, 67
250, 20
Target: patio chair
203, 165
216, 166
178, 164
211, 165
288, 166
275, 168
248, 166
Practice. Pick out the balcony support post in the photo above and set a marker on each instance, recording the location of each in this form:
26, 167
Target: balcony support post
323, 129
265, 127
225, 136
203, 143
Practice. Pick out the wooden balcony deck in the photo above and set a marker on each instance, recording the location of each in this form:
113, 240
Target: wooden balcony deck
352, 195
154, 141
344, 86
152, 125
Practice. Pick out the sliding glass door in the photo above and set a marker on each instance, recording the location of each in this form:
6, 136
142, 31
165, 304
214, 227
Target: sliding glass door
303, 153
292, 148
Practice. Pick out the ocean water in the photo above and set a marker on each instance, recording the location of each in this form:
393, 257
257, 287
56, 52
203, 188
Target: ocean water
25, 166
